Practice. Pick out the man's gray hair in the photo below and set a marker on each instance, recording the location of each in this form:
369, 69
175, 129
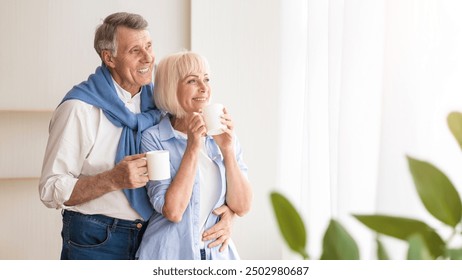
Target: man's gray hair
105, 35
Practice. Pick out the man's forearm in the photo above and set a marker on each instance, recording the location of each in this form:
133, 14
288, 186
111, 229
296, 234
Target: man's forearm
89, 188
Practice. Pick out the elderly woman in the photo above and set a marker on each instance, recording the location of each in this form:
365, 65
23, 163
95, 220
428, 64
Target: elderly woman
207, 171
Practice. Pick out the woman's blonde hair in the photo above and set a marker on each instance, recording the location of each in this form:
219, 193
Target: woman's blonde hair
169, 72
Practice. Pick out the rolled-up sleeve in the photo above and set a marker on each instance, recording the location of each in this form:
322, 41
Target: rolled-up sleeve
70, 140
240, 157
156, 189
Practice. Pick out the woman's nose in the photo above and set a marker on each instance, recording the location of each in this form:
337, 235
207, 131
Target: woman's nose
202, 86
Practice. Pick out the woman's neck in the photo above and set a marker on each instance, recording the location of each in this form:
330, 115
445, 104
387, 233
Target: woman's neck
178, 124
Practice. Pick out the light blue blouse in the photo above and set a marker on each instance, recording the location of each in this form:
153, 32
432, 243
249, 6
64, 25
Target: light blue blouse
165, 240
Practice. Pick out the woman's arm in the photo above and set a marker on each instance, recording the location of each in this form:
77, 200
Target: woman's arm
238, 192
179, 192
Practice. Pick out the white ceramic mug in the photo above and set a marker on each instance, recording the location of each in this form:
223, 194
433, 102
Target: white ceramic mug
212, 116
158, 165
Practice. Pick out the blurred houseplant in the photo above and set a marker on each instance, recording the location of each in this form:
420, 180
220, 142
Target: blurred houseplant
435, 190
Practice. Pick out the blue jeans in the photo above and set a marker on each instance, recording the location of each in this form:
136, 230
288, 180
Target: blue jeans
203, 254
98, 237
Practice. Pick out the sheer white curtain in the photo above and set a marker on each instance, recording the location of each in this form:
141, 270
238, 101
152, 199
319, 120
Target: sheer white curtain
364, 83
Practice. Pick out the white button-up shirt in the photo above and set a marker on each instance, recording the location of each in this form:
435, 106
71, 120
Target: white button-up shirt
83, 142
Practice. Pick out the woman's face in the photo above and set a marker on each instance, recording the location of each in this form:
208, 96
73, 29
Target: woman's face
194, 92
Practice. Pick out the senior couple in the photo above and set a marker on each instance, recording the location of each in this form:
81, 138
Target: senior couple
95, 171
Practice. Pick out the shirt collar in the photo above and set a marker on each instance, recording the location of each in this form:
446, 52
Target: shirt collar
126, 96
166, 131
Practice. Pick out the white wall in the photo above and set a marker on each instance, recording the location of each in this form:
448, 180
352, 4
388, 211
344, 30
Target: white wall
47, 47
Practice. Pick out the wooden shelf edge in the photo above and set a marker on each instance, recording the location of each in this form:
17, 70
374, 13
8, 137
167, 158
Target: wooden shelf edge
4, 179
41, 111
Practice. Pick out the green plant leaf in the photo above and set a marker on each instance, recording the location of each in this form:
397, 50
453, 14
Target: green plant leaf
290, 224
398, 227
404, 228
381, 251
338, 244
436, 192
418, 249
455, 126
454, 254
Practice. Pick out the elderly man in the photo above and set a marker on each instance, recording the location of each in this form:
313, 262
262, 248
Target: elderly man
92, 168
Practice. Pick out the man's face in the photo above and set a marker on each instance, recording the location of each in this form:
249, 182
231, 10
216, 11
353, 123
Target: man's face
133, 64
